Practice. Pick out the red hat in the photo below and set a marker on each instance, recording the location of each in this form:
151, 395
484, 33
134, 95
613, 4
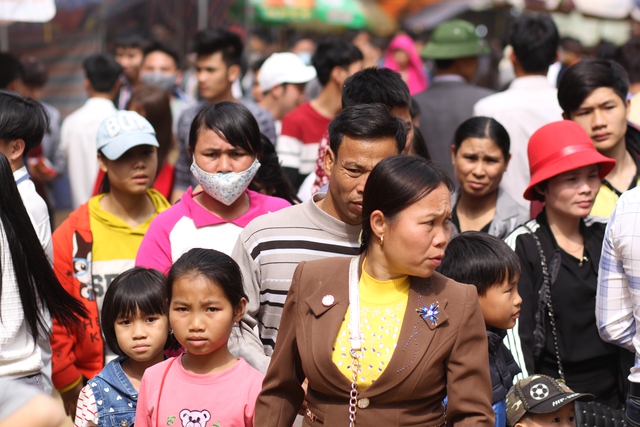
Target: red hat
560, 147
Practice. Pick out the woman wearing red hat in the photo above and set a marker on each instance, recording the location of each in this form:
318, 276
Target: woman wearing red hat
559, 250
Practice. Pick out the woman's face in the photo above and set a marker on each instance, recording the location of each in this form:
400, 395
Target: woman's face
415, 239
573, 193
401, 57
134, 172
213, 154
479, 165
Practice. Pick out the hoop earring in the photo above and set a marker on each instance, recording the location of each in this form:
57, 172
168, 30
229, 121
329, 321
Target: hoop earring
381, 240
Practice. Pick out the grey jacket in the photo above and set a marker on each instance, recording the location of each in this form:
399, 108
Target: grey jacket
509, 215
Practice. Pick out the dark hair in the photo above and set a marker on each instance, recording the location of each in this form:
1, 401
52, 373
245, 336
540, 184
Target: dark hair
22, 118
604, 50
233, 122
157, 110
270, 178
368, 122
376, 85
570, 44
212, 40
138, 290
39, 288
628, 55
395, 183
331, 54
534, 38
443, 64
257, 64
159, 46
219, 268
10, 69
483, 127
102, 71
34, 72
133, 41
419, 145
479, 259
586, 76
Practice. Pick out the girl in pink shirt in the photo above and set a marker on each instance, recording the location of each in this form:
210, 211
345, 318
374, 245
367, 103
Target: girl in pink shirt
206, 386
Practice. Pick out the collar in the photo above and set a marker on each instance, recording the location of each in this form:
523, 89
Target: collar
203, 218
21, 174
449, 78
495, 337
530, 82
96, 100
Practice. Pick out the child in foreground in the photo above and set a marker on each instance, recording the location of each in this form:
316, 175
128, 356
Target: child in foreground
541, 401
207, 385
491, 266
135, 327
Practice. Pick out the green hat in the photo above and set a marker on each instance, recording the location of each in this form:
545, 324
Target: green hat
454, 39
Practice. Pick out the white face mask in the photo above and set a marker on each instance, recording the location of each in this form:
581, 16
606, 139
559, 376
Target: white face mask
225, 187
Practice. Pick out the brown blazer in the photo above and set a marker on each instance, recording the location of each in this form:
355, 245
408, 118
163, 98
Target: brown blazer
429, 362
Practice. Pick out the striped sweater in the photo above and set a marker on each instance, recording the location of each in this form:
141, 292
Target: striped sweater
268, 251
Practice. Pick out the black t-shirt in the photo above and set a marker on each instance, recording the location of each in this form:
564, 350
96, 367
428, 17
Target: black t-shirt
456, 221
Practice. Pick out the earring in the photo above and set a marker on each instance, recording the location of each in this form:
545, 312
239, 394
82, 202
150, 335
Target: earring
381, 240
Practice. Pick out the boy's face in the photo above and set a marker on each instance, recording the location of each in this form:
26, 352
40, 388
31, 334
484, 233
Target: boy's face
501, 304
563, 417
603, 115
214, 77
130, 59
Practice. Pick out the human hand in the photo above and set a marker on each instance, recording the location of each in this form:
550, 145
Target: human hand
305, 387
70, 399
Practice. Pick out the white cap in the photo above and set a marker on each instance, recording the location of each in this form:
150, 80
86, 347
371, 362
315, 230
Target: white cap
282, 68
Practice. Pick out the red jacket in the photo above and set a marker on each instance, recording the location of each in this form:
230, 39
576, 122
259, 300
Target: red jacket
82, 353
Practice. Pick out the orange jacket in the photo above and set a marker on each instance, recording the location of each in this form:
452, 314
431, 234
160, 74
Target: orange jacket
80, 353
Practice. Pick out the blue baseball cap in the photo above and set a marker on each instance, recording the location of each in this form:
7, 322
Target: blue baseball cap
122, 131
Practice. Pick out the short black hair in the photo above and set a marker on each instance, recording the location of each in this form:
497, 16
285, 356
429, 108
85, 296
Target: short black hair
366, 122
628, 55
586, 76
233, 122
334, 53
132, 40
534, 38
212, 40
396, 183
376, 85
443, 64
138, 290
479, 259
102, 71
22, 118
217, 267
159, 46
483, 127
34, 72
10, 70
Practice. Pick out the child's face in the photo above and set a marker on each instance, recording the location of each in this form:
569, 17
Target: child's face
201, 315
501, 304
142, 337
134, 171
563, 417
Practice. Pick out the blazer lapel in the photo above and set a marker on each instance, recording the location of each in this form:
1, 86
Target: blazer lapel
415, 337
327, 322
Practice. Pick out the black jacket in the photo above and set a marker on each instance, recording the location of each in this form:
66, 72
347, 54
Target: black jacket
501, 364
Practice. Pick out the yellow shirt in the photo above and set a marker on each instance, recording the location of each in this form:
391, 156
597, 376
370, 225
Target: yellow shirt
605, 201
382, 308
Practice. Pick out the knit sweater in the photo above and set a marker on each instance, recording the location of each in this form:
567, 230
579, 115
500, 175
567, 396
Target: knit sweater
268, 252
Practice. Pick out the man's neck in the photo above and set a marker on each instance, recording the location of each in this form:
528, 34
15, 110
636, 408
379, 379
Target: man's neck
222, 97
329, 102
101, 95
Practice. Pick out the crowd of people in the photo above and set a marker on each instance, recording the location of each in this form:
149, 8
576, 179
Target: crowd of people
348, 240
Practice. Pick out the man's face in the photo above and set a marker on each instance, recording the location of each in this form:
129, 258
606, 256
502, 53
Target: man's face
159, 62
603, 115
214, 77
130, 59
345, 73
292, 96
349, 171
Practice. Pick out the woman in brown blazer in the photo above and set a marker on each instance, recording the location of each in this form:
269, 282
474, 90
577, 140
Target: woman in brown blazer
382, 338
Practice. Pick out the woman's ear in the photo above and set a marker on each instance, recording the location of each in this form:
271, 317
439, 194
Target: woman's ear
239, 310
378, 223
102, 163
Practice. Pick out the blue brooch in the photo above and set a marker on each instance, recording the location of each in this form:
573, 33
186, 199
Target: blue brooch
430, 313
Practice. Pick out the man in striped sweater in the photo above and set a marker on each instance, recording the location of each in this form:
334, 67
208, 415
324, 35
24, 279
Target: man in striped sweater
271, 246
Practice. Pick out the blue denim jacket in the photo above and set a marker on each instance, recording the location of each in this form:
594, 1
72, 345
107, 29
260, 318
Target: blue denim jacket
115, 396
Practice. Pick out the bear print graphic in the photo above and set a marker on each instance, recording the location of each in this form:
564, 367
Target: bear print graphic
196, 418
